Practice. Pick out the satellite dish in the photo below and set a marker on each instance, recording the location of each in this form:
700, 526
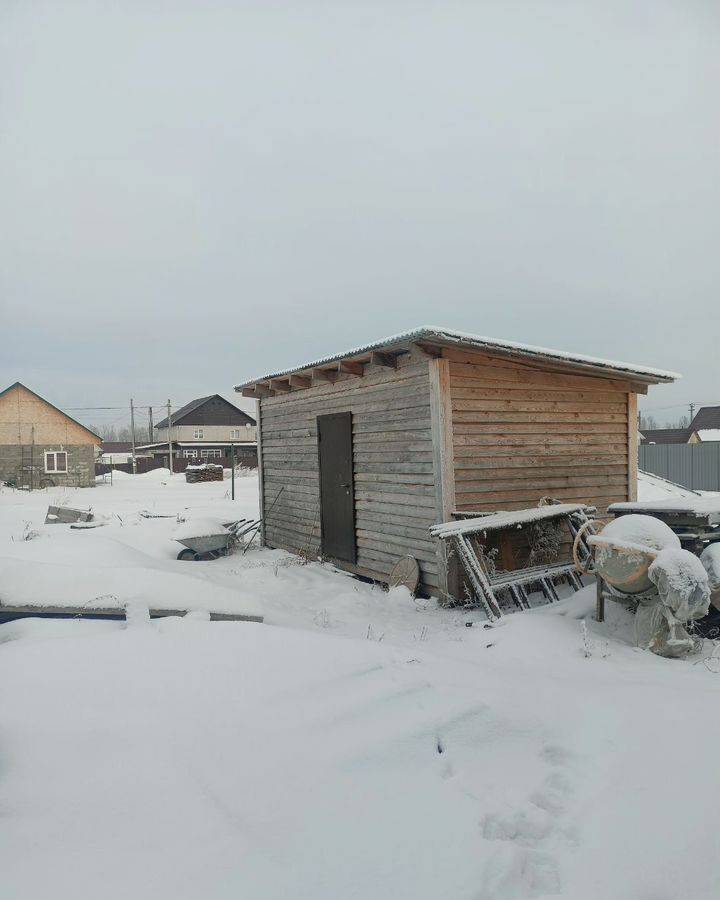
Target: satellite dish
405, 572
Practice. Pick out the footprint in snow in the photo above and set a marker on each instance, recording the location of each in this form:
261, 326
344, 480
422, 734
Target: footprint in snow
525, 867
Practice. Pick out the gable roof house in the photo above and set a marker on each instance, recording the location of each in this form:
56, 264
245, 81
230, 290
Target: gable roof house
705, 426
40, 445
666, 436
360, 453
206, 428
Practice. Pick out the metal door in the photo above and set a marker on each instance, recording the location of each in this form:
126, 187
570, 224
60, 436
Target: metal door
337, 500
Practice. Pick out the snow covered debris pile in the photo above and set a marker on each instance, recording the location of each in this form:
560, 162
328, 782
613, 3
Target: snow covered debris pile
641, 557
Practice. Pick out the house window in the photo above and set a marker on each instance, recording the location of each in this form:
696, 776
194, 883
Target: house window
234, 434
55, 461
211, 453
189, 454
199, 434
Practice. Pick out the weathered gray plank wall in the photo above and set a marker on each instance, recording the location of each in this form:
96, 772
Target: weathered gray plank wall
695, 466
393, 464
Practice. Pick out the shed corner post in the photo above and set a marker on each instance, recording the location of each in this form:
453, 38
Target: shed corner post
443, 470
261, 480
633, 427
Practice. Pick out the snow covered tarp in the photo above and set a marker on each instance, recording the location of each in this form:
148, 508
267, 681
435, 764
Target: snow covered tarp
710, 558
684, 593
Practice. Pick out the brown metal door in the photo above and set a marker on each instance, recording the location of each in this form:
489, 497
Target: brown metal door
337, 500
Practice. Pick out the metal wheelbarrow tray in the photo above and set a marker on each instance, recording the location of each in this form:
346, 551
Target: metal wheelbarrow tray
203, 539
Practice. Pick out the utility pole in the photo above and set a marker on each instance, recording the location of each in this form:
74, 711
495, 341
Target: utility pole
132, 436
151, 434
692, 411
232, 468
169, 418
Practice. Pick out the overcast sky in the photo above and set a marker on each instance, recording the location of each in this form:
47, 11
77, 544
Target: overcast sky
192, 194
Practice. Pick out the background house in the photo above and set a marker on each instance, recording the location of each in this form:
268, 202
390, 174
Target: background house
42, 446
705, 426
362, 452
206, 429
117, 453
665, 435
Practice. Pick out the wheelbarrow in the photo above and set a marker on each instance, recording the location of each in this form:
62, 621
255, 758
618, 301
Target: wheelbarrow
215, 540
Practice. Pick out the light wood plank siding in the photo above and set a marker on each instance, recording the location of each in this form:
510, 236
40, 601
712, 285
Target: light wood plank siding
521, 433
392, 460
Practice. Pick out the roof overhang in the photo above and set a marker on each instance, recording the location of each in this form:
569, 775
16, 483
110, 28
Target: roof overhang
430, 340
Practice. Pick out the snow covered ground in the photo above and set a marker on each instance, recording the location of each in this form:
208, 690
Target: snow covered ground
359, 744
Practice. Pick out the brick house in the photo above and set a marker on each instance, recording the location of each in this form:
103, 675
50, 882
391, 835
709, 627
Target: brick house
40, 445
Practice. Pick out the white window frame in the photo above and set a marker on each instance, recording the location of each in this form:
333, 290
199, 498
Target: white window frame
190, 454
234, 434
199, 434
54, 454
211, 453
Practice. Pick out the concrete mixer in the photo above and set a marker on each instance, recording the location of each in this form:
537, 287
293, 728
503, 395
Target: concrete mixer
639, 562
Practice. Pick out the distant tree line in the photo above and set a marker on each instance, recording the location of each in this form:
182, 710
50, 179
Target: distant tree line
122, 433
650, 423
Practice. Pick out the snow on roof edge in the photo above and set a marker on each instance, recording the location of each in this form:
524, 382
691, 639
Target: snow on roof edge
708, 434
479, 341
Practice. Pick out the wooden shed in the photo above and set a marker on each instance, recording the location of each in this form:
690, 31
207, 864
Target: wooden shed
360, 453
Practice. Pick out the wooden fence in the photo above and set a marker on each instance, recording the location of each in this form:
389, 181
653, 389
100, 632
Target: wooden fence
147, 464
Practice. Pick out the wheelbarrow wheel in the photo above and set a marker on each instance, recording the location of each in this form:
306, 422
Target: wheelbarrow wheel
187, 554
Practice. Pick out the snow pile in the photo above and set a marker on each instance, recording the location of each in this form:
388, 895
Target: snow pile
653, 487
642, 532
198, 527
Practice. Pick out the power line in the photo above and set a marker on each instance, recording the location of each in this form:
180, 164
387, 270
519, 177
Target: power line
76, 408
677, 406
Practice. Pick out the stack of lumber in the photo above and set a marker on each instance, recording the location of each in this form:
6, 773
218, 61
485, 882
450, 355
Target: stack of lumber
205, 472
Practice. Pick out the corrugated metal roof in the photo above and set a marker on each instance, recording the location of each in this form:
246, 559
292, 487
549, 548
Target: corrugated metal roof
463, 339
